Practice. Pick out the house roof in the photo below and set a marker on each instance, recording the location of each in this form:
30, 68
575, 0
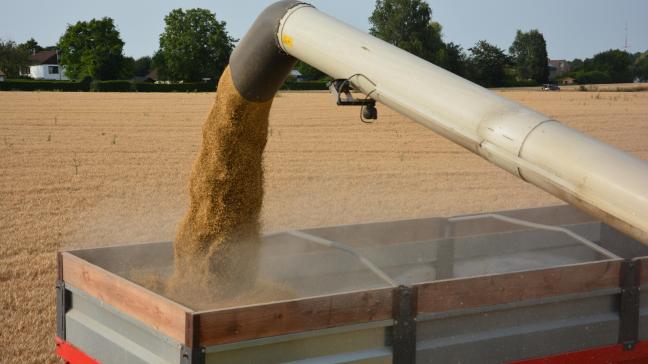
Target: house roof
43, 57
2, 73
560, 64
153, 75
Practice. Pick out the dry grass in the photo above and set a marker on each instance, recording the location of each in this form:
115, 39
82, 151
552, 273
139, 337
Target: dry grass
113, 168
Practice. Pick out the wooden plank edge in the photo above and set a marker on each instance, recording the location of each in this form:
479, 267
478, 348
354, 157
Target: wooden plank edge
76, 251
232, 325
152, 309
460, 293
643, 269
59, 266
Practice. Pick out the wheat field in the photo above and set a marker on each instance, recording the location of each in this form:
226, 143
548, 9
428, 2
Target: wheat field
83, 169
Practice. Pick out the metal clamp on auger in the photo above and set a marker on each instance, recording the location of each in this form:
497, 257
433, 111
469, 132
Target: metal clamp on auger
368, 105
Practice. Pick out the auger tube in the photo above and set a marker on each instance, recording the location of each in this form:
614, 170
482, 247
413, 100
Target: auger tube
600, 179
259, 66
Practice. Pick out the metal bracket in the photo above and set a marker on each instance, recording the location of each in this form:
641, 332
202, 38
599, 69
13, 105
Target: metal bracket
629, 303
63, 298
343, 87
192, 355
445, 262
404, 330
191, 352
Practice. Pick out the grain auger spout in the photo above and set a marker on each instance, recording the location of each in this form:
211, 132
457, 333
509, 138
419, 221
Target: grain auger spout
600, 179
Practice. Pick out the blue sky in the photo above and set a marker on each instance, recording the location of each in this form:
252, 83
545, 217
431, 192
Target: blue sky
573, 28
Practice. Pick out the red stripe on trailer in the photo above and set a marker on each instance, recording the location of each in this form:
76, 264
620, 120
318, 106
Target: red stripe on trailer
72, 355
614, 354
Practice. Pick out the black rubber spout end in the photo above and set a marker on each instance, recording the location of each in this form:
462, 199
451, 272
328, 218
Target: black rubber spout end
259, 66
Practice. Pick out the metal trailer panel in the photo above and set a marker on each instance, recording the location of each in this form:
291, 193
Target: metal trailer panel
643, 312
504, 333
363, 343
104, 332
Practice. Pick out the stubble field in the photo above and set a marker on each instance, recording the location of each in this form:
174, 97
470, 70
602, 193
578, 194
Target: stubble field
96, 169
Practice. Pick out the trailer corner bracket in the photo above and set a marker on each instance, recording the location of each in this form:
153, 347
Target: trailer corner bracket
629, 303
192, 355
404, 331
62, 307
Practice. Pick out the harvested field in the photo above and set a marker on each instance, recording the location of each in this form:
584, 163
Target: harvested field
624, 87
608, 87
79, 169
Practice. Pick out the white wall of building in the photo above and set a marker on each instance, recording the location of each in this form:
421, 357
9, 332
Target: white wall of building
47, 72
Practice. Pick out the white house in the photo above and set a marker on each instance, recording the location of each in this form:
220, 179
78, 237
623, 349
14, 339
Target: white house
44, 65
296, 75
3, 77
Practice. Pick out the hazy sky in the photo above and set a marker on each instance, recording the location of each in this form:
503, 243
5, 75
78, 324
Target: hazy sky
572, 28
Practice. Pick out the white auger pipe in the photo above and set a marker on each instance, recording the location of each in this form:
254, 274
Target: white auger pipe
603, 180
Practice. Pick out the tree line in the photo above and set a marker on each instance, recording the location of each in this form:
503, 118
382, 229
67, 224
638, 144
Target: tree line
408, 24
196, 46
613, 66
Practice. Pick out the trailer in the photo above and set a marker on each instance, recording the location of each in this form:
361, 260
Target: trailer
506, 287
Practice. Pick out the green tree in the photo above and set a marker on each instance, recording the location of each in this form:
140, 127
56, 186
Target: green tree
576, 65
93, 48
31, 46
587, 77
640, 67
158, 63
613, 66
616, 63
193, 46
12, 58
128, 68
529, 53
309, 72
142, 66
487, 64
453, 58
408, 25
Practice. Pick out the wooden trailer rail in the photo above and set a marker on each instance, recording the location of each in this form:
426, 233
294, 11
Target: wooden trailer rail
206, 328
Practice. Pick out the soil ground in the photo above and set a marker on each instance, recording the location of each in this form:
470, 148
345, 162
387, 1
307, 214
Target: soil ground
95, 169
